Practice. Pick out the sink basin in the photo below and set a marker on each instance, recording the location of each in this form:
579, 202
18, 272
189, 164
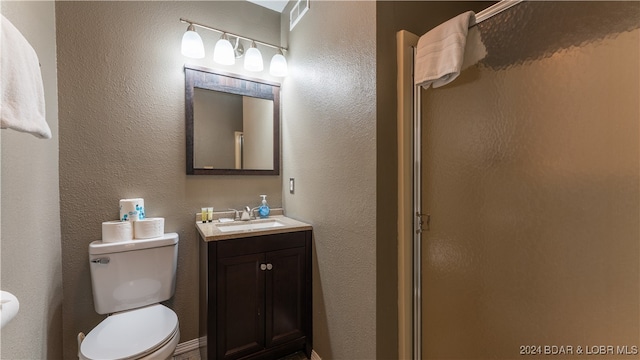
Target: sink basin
249, 225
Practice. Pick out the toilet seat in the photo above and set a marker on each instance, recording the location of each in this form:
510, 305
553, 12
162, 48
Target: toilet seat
131, 334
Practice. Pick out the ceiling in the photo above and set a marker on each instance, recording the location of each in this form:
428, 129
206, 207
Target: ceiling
276, 5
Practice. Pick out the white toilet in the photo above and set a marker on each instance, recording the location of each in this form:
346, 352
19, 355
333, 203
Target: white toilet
129, 280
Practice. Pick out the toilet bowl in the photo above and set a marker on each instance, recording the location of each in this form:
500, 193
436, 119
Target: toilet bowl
129, 280
143, 334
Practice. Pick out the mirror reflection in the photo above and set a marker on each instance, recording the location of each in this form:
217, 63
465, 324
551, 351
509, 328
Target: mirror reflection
232, 131
232, 124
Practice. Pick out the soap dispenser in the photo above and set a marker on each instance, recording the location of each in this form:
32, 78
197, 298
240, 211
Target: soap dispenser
264, 210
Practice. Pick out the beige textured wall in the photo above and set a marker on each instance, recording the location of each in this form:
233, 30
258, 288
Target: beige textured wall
30, 210
329, 147
121, 88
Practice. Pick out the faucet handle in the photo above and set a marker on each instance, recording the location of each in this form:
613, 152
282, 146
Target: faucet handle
236, 212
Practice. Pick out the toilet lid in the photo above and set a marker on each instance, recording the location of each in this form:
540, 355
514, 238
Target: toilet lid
130, 334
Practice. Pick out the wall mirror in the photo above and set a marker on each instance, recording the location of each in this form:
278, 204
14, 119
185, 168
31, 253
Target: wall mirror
232, 124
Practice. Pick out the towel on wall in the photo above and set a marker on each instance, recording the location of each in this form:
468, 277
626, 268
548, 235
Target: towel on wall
22, 105
445, 51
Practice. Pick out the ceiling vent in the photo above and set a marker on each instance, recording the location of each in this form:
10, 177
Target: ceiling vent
301, 7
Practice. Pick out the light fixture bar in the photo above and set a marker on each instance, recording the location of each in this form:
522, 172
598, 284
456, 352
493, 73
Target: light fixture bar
187, 21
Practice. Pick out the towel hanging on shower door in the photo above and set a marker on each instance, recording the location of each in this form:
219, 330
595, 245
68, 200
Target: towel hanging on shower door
446, 50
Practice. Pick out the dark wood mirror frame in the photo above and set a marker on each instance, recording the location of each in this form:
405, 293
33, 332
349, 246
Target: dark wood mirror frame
204, 78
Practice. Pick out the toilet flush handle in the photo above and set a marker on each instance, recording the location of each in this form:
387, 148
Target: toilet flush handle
102, 261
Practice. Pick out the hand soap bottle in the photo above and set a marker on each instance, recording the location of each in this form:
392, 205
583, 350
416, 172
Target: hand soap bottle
264, 210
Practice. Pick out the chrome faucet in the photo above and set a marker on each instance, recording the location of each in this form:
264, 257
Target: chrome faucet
246, 214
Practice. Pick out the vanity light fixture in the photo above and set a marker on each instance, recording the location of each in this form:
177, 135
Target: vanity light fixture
238, 49
253, 58
192, 43
224, 53
278, 66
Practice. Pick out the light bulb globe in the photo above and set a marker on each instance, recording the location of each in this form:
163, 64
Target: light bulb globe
192, 45
278, 66
253, 60
223, 52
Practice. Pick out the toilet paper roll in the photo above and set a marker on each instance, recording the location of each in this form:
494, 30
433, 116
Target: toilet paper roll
132, 209
148, 228
116, 231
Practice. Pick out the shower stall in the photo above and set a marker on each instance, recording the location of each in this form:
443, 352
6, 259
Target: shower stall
519, 183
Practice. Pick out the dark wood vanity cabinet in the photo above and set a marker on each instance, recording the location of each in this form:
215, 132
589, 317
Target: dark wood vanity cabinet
256, 296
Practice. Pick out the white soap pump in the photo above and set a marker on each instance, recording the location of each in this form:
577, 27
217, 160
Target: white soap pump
264, 210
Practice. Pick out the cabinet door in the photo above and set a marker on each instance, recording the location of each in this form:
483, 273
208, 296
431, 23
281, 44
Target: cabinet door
285, 295
240, 306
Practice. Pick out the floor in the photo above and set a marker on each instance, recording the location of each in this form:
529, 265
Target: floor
191, 355
297, 356
195, 355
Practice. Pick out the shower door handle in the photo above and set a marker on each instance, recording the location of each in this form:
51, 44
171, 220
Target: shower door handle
422, 220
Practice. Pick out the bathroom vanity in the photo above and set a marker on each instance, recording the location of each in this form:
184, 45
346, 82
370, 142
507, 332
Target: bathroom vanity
255, 288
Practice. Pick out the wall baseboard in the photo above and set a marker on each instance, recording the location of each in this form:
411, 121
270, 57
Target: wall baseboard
315, 356
187, 346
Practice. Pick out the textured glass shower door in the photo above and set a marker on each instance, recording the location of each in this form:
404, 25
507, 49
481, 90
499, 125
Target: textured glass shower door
531, 177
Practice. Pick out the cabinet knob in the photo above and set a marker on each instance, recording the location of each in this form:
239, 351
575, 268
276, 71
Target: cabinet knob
263, 267
269, 266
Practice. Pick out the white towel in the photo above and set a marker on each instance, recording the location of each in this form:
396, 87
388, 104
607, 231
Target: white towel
22, 100
446, 50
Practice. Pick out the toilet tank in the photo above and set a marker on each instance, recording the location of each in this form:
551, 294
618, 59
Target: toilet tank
131, 274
